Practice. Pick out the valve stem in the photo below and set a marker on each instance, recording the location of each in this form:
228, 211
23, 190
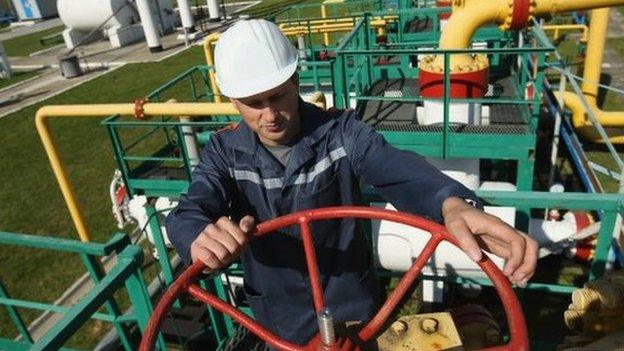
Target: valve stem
326, 327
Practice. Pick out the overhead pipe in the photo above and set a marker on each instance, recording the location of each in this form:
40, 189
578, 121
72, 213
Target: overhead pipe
327, 28
469, 74
591, 79
102, 110
558, 28
389, 18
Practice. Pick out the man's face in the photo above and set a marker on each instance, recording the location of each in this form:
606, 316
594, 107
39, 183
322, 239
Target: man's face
273, 114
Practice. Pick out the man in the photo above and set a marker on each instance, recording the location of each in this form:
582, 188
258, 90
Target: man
289, 155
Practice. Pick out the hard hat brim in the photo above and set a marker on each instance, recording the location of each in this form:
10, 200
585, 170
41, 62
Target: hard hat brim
257, 85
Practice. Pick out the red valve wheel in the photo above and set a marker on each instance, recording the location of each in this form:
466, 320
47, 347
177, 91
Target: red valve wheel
515, 318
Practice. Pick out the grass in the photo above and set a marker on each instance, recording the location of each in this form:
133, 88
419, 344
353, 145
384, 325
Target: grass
17, 77
33, 203
29, 43
613, 101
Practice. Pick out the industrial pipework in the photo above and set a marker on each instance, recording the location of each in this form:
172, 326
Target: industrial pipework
468, 73
102, 110
591, 79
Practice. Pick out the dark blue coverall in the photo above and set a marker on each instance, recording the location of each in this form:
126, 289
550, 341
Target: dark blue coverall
237, 176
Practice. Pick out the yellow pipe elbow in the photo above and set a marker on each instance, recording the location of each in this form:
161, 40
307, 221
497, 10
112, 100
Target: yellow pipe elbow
208, 42
75, 211
613, 122
469, 15
98, 111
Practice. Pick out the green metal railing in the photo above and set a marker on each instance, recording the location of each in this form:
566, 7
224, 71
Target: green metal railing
126, 272
357, 69
607, 206
312, 11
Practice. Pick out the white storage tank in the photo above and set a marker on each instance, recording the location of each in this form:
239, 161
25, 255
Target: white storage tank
86, 15
119, 20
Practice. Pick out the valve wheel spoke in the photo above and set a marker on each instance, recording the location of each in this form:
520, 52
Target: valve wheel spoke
515, 318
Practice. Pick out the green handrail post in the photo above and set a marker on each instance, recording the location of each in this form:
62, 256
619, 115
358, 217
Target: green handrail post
221, 325
447, 94
15, 317
89, 304
118, 150
159, 242
605, 237
193, 92
96, 273
137, 291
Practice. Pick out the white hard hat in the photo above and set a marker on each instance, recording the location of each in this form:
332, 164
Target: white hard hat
253, 56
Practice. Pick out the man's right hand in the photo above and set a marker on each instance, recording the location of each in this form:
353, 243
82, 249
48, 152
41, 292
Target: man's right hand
221, 243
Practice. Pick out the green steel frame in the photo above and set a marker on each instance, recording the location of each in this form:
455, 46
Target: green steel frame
355, 71
351, 74
126, 272
300, 12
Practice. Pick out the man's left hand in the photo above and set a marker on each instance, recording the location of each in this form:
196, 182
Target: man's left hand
475, 229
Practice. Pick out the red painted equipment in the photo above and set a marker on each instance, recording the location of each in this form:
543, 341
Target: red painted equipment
467, 85
517, 329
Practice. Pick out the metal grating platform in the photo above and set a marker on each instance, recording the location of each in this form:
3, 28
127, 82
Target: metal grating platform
466, 129
402, 116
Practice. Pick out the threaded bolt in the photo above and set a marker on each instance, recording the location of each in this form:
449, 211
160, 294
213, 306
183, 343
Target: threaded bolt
326, 327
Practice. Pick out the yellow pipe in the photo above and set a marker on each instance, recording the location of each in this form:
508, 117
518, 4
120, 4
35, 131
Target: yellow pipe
389, 18
612, 120
470, 15
558, 28
599, 21
325, 35
318, 99
103, 110
303, 32
329, 28
208, 42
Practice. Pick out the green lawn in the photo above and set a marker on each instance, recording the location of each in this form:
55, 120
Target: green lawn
613, 101
17, 77
27, 44
31, 201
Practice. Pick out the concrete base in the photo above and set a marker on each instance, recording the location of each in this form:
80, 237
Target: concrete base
191, 36
123, 36
463, 113
74, 37
156, 48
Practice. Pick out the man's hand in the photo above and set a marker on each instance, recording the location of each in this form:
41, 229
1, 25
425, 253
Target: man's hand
474, 228
220, 243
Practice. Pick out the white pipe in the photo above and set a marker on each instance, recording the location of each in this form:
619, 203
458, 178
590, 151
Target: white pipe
185, 14
301, 45
149, 27
213, 10
545, 232
112, 189
5, 66
190, 141
397, 246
